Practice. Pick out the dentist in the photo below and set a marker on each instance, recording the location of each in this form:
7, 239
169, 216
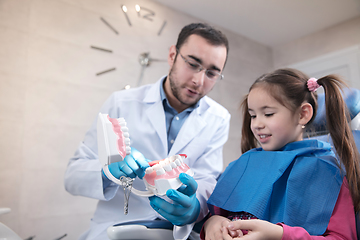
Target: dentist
166, 118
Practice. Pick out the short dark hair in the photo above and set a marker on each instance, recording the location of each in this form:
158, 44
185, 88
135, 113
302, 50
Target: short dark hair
213, 36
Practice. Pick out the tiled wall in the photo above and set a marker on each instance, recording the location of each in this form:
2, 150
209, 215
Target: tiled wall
49, 95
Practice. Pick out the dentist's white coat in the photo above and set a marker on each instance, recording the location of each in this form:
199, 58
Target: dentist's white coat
201, 137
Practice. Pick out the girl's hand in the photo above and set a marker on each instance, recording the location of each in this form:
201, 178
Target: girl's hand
213, 228
257, 229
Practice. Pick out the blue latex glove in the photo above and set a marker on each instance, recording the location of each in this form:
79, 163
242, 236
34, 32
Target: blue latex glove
133, 165
186, 206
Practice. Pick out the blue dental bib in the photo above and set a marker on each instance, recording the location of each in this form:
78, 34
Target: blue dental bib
297, 185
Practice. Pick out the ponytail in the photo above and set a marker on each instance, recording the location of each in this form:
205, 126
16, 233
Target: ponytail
337, 119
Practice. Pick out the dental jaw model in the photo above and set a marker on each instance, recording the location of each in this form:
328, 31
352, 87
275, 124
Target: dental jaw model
113, 142
114, 145
164, 174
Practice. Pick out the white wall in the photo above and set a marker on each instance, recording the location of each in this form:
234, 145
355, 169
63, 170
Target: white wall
345, 63
335, 38
49, 95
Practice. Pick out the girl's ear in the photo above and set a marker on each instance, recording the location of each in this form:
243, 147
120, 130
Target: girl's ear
306, 113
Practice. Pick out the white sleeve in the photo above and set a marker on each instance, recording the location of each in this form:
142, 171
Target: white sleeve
83, 175
210, 164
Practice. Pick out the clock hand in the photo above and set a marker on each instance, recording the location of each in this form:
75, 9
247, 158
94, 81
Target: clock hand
141, 74
156, 60
145, 61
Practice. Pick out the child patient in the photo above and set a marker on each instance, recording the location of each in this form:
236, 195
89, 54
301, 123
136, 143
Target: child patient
289, 188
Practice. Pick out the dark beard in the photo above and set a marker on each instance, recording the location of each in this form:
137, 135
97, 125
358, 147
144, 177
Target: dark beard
176, 90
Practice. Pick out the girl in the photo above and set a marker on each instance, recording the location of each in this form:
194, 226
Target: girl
290, 188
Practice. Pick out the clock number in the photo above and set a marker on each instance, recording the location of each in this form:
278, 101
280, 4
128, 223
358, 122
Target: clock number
148, 15
105, 50
137, 9
124, 9
108, 24
101, 49
162, 27
106, 71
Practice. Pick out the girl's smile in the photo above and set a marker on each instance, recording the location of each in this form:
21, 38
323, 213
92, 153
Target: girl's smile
272, 124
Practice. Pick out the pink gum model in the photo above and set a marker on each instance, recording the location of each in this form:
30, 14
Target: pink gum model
164, 174
121, 146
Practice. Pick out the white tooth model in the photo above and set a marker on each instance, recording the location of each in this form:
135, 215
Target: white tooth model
114, 145
164, 174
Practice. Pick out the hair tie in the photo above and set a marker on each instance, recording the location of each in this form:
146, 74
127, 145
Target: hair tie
312, 84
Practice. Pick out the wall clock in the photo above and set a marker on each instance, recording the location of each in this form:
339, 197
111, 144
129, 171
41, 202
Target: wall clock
129, 12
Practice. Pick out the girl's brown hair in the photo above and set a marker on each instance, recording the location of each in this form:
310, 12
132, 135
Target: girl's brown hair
289, 88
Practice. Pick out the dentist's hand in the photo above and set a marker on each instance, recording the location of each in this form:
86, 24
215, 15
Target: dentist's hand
186, 206
133, 165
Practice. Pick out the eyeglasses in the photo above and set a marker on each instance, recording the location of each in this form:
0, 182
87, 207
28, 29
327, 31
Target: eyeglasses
196, 67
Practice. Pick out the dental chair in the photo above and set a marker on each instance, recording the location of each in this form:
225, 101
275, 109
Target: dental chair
5, 232
148, 230
162, 229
